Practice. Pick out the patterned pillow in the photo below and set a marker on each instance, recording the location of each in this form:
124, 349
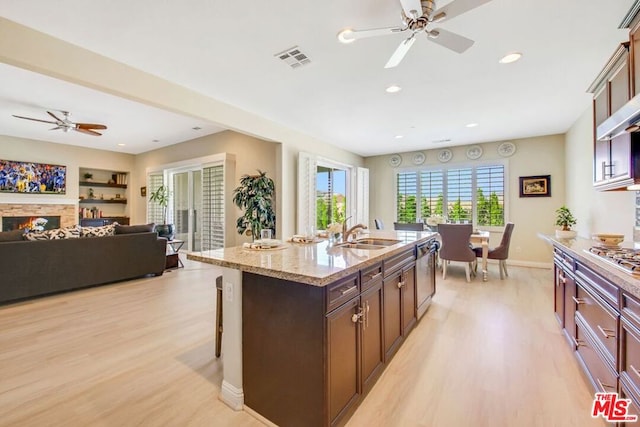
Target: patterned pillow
35, 235
72, 232
105, 230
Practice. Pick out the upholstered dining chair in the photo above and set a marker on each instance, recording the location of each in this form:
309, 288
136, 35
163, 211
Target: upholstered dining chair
408, 226
455, 247
379, 224
500, 252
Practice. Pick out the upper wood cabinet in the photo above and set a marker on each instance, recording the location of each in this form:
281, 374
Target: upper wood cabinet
611, 89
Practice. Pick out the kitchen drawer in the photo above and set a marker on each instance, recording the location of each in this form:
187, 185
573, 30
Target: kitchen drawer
600, 318
599, 372
370, 276
631, 309
564, 259
342, 291
607, 290
398, 261
633, 408
630, 355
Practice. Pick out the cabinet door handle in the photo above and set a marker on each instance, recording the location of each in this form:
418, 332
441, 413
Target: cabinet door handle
604, 386
634, 370
576, 342
577, 300
357, 317
349, 290
606, 332
375, 276
366, 315
400, 284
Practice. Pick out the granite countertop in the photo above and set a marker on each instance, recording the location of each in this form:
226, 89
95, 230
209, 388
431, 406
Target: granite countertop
315, 264
579, 249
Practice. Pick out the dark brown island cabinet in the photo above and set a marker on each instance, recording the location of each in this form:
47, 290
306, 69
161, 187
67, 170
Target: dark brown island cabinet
310, 353
601, 322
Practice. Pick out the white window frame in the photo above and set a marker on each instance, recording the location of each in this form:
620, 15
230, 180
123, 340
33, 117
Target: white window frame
444, 168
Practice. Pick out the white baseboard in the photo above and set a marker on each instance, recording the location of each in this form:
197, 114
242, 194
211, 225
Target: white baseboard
232, 396
517, 263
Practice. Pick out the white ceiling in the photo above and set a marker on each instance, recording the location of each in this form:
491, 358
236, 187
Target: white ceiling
225, 49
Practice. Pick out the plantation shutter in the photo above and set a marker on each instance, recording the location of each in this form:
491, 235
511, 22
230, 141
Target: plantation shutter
490, 195
406, 196
213, 207
460, 195
362, 196
431, 193
307, 170
154, 211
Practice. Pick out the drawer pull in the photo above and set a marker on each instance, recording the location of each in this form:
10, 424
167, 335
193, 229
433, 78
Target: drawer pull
607, 333
400, 284
576, 342
605, 386
349, 290
634, 370
375, 276
577, 300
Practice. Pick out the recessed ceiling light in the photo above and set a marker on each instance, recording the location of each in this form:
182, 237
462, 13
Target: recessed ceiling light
343, 36
155, 140
510, 57
196, 128
471, 125
393, 89
399, 136
121, 145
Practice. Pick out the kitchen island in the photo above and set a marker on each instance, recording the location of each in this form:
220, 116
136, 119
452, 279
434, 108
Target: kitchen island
309, 328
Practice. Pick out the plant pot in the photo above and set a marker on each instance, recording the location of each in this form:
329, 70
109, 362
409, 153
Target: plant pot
566, 234
165, 230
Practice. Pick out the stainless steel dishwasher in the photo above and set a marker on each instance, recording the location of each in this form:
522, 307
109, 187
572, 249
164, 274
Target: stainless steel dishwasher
426, 274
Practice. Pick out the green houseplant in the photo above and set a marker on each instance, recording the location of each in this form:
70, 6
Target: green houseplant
565, 219
161, 197
254, 196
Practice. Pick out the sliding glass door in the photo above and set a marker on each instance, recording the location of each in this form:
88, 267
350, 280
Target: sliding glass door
187, 207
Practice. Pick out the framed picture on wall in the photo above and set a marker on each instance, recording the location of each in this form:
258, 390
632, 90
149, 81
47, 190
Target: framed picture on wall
535, 186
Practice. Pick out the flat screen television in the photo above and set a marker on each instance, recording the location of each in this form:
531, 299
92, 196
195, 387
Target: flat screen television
32, 178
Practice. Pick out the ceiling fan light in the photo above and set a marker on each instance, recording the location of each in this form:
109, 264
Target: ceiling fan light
343, 36
510, 57
433, 34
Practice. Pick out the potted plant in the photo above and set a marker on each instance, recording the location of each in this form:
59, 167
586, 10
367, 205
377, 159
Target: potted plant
88, 177
255, 197
161, 197
565, 219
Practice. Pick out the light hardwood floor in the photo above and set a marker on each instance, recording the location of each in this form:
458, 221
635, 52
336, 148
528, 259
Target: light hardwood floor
141, 353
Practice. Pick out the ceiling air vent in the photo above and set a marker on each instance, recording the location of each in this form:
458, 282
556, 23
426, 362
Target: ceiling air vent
293, 57
441, 141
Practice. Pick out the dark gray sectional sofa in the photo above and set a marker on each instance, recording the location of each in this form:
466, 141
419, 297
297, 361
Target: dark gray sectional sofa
35, 268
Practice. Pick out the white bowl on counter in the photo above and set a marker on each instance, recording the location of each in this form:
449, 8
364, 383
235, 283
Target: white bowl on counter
608, 239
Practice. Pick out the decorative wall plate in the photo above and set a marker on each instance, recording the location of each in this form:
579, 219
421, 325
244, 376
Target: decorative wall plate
395, 160
418, 158
506, 149
445, 155
474, 152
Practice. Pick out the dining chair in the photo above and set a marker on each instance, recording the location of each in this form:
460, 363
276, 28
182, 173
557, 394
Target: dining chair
379, 224
408, 226
500, 252
455, 247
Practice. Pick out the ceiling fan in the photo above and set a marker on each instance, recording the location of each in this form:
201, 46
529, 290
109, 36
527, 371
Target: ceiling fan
417, 15
66, 125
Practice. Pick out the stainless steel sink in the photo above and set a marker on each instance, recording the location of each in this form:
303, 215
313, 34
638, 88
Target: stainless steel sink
364, 246
377, 242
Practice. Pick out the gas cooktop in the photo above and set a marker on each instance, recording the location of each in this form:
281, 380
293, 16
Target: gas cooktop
624, 258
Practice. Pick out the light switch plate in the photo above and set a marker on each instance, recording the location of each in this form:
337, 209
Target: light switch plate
228, 291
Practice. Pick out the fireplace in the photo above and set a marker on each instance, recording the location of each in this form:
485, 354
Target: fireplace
30, 223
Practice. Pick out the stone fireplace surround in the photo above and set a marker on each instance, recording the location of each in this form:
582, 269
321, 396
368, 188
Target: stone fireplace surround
67, 213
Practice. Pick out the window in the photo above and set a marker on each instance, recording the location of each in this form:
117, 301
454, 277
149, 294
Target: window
460, 194
331, 196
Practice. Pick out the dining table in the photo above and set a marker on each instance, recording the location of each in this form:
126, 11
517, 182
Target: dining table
481, 238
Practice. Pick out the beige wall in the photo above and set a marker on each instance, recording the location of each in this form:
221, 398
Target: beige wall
72, 157
596, 211
250, 153
534, 156
22, 47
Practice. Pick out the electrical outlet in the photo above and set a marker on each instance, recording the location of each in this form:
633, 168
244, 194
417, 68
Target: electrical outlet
228, 291
518, 249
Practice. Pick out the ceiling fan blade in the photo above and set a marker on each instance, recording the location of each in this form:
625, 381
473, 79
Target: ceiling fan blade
455, 8
87, 131
400, 52
412, 8
347, 36
56, 128
453, 41
89, 126
35, 120
53, 115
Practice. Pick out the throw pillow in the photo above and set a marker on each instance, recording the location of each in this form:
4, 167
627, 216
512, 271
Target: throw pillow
72, 232
105, 230
37, 235
11, 236
130, 229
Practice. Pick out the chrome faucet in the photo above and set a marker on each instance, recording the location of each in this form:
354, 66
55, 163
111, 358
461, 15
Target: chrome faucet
353, 231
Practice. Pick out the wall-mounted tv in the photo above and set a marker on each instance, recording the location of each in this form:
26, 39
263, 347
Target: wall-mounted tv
32, 178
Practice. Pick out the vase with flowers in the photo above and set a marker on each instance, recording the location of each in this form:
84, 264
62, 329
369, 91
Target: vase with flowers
334, 231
